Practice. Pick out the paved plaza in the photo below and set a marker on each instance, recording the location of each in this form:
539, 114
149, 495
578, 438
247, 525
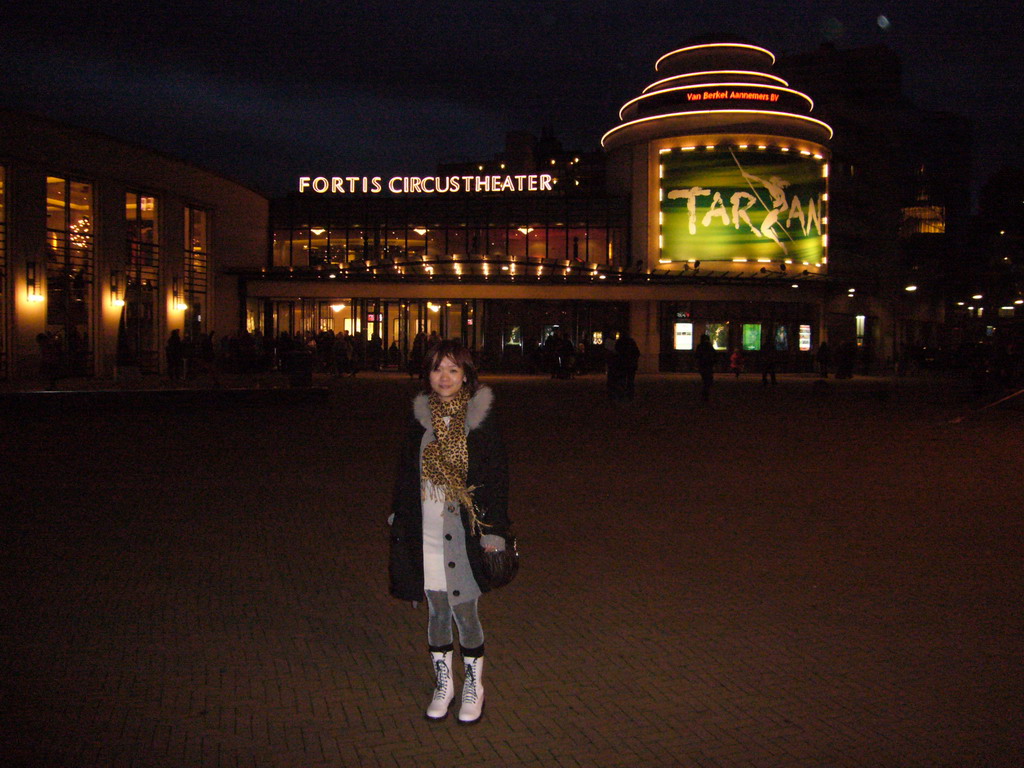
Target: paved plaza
805, 576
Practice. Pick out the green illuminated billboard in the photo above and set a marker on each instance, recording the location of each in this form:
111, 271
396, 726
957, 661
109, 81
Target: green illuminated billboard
727, 204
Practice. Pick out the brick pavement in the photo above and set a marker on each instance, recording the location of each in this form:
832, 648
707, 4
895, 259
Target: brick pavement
777, 579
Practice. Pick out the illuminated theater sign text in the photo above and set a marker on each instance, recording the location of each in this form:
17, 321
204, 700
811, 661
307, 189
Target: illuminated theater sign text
731, 204
427, 185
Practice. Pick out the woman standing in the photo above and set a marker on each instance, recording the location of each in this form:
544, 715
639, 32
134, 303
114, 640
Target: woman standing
450, 503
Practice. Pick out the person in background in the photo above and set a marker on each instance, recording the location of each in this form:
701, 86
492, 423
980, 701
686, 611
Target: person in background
704, 356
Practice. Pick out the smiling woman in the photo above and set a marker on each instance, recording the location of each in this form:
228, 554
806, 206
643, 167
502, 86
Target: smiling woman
450, 505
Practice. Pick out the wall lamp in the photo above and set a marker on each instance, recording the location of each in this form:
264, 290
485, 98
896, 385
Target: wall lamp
33, 292
179, 305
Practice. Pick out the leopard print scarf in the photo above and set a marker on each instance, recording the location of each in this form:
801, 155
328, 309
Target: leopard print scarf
445, 461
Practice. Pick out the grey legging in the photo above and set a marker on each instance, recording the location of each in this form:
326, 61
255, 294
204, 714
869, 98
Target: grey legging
439, 622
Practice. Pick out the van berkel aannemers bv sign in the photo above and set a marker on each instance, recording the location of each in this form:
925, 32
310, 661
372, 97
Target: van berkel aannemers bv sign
427, 185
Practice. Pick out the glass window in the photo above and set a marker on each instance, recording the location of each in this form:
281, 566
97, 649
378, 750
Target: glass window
143, 260
70, 262
923, 220
282, 248
597, 246
197, 238
557, 243
517, 241
537, 243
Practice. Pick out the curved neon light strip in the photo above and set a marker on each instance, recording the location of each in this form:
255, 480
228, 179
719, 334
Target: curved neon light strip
657, 64
810, 102
656, 83
717, 112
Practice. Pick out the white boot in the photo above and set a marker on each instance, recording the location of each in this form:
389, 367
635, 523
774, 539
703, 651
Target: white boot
472, 708
444, 686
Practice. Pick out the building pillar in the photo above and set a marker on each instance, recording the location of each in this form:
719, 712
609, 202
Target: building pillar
643, 327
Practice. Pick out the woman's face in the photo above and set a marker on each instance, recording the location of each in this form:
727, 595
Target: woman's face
447, 379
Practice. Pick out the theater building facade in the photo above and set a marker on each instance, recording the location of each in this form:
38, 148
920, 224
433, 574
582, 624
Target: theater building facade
705, 212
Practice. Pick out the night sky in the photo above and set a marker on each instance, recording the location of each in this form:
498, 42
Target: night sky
264, 92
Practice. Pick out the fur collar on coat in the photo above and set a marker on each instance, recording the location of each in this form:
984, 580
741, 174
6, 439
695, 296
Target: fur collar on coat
477, 410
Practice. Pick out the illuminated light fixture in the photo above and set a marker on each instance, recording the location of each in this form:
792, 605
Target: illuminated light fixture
433, 307
420, 231
337, 307
602, 277
33, 293
333, 275
910, 288
1019, 301
960, 303
318, 231
716, 73
664, 151
740, 261
977, 297
504, 268
664, 261
526, 230
552, 161
657, 64
176, 301
709, 146
795, 285
688, 149
818, 157
824, 195
479, 167
502, 166
743, 146
805, 152
788, 261
116, 288
764, 261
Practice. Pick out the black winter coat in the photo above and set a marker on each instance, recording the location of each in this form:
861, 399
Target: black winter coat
488, 471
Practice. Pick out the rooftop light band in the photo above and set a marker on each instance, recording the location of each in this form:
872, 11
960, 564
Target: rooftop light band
645, 95
657, 64
715, 112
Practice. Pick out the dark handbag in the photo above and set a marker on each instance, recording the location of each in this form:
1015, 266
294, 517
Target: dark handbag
501, 567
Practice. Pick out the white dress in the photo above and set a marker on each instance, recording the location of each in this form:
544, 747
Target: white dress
433, 540
433, 537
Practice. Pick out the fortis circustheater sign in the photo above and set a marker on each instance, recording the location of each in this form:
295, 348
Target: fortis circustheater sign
427, 185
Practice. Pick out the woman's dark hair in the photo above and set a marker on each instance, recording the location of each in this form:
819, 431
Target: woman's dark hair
459, 354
